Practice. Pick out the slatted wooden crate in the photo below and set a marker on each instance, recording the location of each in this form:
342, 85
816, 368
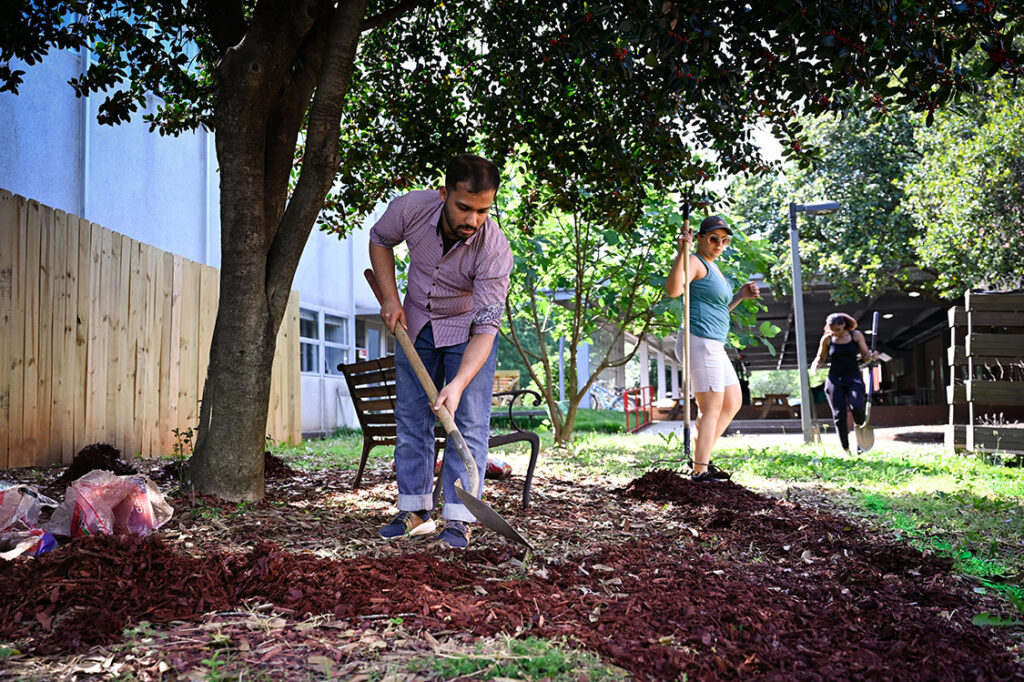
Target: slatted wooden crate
986, 359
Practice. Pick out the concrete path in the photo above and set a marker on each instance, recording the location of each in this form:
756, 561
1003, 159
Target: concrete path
788, 431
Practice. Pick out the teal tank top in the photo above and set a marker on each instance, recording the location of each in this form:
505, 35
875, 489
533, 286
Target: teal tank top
709, 304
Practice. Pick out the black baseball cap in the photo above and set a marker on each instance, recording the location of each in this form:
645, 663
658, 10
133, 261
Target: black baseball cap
712, 223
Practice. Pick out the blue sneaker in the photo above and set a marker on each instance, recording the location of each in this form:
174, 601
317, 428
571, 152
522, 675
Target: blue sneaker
408, 524
455, 535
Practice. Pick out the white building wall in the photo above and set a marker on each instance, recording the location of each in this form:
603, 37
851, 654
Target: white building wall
163, 191
159, 190
325, 281
41, 135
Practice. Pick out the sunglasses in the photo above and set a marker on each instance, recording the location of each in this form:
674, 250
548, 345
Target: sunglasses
715, 239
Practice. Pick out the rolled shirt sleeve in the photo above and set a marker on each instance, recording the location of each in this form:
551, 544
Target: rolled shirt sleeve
490, 289
390, 230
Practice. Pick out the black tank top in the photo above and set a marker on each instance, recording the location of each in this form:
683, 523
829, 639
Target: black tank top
843, 359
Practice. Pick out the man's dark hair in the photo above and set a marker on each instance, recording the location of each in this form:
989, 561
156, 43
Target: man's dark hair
479, 174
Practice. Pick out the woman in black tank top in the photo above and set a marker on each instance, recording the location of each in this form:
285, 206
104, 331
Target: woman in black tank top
840, 345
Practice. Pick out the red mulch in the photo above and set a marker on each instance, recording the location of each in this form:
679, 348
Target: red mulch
663, 578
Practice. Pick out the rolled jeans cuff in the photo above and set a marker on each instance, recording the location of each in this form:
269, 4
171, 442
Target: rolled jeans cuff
457, 512
415, 503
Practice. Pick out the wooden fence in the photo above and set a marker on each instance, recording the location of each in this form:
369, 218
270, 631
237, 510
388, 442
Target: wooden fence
986, 360
106, 339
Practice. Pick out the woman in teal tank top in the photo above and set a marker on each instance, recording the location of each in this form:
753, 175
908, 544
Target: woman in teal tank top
712, 377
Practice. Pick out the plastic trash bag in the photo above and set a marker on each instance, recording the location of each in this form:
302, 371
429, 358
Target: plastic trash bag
32, 542
102, 502
20, 506
497, 469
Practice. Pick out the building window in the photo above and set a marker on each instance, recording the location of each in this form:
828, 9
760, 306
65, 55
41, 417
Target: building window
336, 343
323, 335
309, 341
372, 342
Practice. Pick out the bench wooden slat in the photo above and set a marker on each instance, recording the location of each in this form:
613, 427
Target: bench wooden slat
370, 366
379, 430
378, 405
385, 390
380, 418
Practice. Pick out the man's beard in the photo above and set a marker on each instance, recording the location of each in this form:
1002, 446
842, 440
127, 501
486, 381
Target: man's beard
455, 228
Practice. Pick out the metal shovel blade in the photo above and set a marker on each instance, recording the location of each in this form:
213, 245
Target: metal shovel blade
488, 516
865, 437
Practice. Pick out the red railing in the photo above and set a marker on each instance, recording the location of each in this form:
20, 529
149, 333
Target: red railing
639, 406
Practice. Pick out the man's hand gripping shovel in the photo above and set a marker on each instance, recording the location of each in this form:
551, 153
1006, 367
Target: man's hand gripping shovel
481, 511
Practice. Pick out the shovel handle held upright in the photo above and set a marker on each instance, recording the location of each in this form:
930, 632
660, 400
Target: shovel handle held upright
686, 333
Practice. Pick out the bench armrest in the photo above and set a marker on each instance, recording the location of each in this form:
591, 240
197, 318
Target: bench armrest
520, 395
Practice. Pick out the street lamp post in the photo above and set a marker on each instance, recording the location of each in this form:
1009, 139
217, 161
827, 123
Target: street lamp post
806, 404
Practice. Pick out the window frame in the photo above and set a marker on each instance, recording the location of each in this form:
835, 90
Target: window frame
321, 343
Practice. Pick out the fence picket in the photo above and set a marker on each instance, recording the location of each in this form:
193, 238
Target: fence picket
134, 374
44, 339
83, 301
30, 424
187, 392
58, 379
8, 257
16, 391
174, 365
64, 398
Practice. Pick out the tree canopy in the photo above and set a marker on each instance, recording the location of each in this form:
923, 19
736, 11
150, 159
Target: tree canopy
865, 247
338, 105
935, 209
966, 195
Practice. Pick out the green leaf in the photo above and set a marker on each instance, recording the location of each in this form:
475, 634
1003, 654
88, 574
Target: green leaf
985, 618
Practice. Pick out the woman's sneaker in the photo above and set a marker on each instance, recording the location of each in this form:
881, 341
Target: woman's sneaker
713, 473
718, 474
408, 524
455, 535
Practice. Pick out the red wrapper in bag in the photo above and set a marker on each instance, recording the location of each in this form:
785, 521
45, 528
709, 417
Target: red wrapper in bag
497, 469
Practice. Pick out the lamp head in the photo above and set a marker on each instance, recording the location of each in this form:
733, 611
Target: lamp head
818, 207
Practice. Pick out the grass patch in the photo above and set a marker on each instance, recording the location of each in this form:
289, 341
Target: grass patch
957, 506
528, 659
600, 421
340, 451
587, 421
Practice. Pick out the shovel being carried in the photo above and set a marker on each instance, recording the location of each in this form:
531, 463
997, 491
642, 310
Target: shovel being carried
865, 432
479, 509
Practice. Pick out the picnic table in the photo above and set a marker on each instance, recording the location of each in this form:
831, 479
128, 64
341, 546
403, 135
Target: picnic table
774, 402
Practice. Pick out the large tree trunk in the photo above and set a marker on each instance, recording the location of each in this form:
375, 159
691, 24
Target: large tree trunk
290, 49
228, 460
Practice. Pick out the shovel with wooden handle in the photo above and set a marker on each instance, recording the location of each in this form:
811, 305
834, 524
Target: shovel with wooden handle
865, 432
476, 506
686, 336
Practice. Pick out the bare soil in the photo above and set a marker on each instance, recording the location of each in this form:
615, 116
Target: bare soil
661, 577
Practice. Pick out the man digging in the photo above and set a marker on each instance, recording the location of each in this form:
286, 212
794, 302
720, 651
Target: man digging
459, 266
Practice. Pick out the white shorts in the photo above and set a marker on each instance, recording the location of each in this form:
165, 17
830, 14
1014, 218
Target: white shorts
710, 367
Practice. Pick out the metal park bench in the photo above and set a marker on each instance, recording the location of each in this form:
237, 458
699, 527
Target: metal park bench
371, 385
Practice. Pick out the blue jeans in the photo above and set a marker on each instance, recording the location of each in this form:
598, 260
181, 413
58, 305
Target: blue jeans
414, 453
841, 390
